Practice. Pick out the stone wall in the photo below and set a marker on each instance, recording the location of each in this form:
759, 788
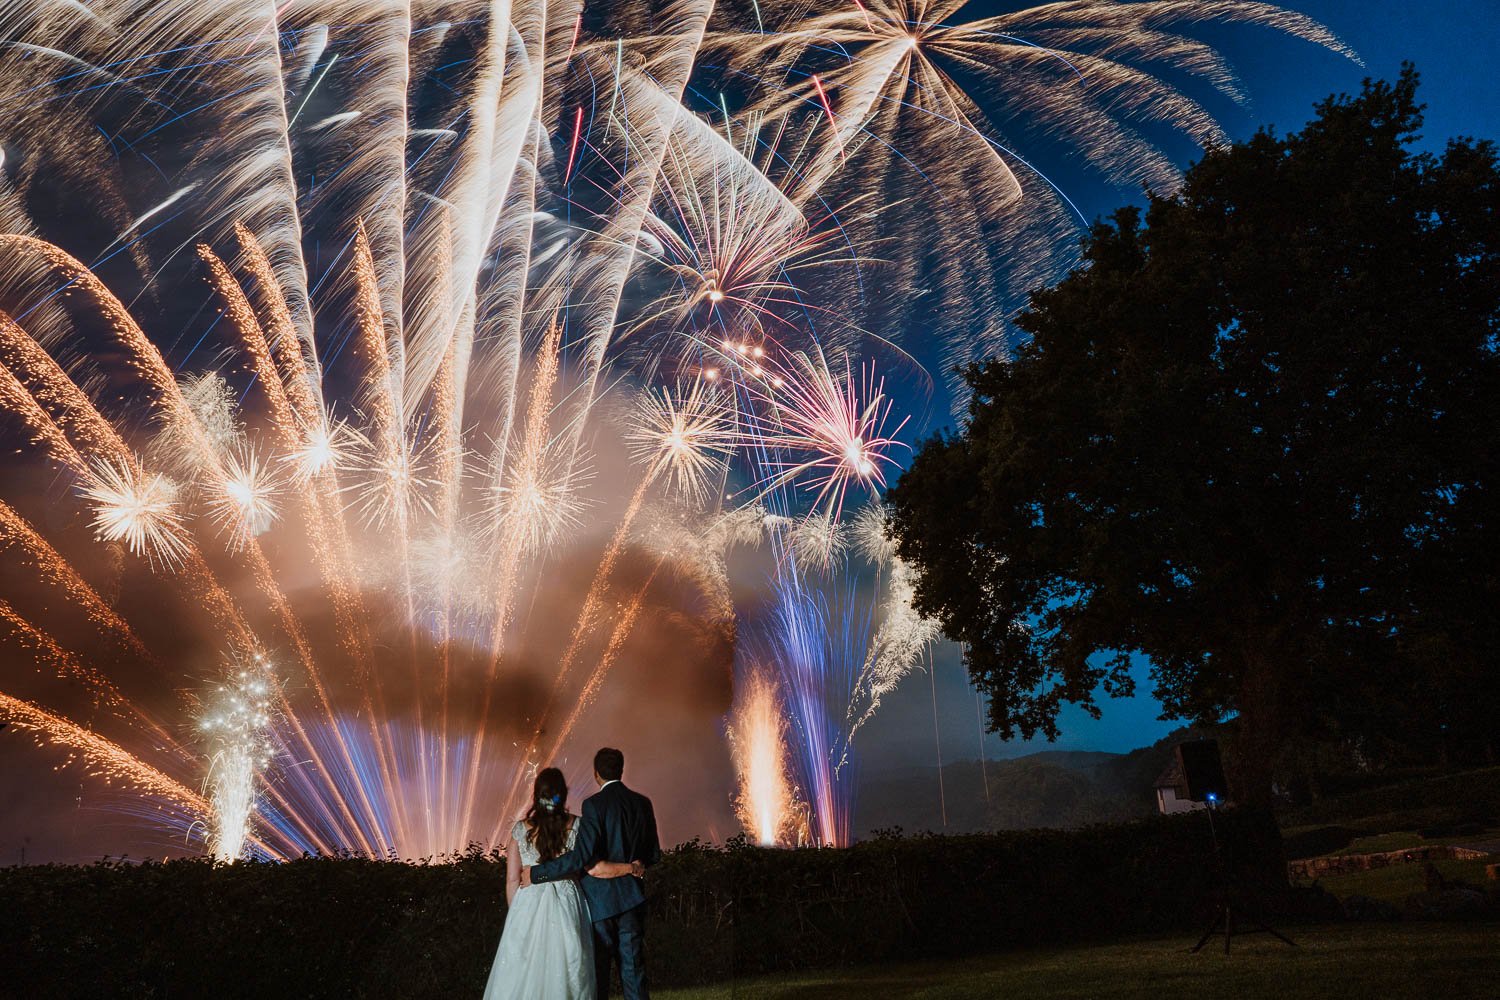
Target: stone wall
1341, 864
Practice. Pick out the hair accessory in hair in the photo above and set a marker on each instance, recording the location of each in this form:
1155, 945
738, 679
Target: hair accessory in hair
550, 804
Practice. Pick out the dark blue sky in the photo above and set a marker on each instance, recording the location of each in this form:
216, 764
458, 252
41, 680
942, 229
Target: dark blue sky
1455, 45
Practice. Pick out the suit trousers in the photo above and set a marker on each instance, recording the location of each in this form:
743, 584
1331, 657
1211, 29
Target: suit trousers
621, 938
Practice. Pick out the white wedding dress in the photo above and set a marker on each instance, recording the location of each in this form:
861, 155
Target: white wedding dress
547, 948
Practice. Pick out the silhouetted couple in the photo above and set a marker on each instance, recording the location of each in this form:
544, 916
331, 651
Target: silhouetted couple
573, 885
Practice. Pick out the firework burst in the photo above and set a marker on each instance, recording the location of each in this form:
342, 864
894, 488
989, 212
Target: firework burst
686, 438
139, 509
833, 427
246, 499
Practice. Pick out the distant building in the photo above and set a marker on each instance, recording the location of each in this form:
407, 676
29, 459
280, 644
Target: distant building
1172, 793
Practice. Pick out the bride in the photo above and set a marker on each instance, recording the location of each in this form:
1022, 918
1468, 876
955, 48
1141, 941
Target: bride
547, 948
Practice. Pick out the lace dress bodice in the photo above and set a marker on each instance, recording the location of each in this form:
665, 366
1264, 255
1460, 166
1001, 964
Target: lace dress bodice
529, 855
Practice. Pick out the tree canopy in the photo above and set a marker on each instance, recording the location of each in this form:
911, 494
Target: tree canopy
1252, 439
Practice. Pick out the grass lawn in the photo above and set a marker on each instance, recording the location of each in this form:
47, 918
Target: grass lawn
1347, 962
1394, 883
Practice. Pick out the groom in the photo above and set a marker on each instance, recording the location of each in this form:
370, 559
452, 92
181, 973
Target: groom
617, 825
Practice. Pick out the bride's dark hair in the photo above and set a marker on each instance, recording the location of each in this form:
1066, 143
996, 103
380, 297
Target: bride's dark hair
547, 819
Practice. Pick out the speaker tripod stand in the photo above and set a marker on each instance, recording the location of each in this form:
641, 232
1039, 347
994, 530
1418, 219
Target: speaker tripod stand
1231, 915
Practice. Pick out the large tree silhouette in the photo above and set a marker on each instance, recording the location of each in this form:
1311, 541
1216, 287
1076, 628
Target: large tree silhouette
1252, 439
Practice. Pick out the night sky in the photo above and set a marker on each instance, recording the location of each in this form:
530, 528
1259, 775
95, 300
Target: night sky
1454, 44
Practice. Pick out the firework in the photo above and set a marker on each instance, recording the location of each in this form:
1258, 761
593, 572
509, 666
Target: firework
359, 424
882, 80
686, 438
102, 757
809, 647
323, 450
237, 723
817, 542
246, 500
138, 509
832, 426
766, 803
903, 636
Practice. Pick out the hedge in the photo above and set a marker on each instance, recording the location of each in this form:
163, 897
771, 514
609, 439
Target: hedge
353, 927
1469, 796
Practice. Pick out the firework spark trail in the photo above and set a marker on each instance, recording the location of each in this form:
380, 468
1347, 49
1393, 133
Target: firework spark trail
448, 440
802, 637
505, 299
758, 738
903, 635
513, 532
55, 571
39, 423
392, 460
901, 639
588, 615
104, 757
51, 387
1098, 78
382, 401
221, 607
45, 651
302, 388
237, 724
252, 337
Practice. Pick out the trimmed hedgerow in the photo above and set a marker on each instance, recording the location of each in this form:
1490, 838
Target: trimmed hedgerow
1441, 800
352, 927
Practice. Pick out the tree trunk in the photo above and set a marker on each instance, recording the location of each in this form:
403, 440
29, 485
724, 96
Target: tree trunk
1260, 735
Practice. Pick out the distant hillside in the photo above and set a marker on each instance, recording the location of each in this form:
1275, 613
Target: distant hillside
1052, 788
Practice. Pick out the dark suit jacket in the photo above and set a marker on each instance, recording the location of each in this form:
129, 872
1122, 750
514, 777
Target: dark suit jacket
616, 825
